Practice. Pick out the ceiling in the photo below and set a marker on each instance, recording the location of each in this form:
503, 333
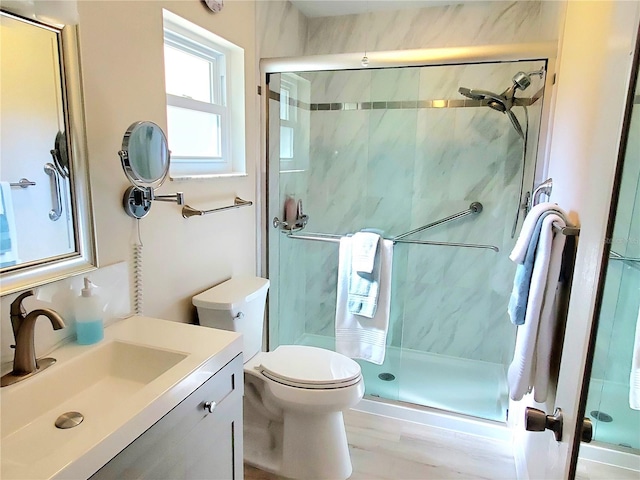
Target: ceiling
330, 8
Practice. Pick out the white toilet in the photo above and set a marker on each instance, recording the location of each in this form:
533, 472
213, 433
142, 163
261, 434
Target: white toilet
294, 396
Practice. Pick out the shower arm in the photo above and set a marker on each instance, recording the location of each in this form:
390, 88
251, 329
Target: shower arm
474, 209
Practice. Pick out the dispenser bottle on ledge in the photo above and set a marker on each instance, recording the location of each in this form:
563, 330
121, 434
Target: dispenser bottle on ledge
89, 316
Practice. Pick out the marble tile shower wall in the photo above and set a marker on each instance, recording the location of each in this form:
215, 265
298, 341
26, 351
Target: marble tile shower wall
397, 169
468, 23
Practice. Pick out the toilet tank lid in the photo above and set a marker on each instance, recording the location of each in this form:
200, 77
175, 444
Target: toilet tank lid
232, 293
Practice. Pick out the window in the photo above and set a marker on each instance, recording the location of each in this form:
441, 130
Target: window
295, 122
205, 120
288, 94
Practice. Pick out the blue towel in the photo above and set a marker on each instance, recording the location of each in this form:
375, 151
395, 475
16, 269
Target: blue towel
522, 281
363, 289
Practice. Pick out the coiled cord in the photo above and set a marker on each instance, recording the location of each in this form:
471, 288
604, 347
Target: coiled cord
138, 298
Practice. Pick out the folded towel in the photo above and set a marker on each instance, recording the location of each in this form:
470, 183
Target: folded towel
524, 239
357, 336
522, 280
363, 251
634, 378
530, 367
364, 274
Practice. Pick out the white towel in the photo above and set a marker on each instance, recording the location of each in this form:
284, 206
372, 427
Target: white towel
357, 336
364, 249
634, 378
528, 227
364, 275
529, 368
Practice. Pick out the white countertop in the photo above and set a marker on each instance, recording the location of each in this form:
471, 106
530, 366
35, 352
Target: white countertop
33, 448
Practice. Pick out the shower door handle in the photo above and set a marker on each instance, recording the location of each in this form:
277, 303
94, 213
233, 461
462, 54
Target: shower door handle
586, 434
538, 421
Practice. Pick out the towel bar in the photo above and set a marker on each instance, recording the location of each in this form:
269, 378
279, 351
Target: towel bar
333, 238
188, 211
474, 209
568, 231
23, 183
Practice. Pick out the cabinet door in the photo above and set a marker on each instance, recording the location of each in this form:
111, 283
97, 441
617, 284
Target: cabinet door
190, 442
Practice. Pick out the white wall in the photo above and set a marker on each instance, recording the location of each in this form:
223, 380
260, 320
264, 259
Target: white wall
122, 49
122, 61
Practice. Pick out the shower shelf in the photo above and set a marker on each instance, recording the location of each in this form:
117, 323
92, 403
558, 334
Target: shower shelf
287, 229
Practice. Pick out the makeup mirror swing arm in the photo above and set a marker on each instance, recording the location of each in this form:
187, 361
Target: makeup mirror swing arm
137, 200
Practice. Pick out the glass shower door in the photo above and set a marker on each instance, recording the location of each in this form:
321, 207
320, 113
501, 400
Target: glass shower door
394, 149
615, 420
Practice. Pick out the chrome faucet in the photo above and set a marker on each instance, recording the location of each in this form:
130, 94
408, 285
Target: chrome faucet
25, 363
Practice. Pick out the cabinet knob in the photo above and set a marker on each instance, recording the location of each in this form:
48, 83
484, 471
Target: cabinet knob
209, 406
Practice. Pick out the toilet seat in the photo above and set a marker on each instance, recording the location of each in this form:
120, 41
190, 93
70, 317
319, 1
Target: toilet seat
309, 367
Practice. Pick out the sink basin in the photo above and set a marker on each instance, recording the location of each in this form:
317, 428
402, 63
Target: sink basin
88, 384
141, 370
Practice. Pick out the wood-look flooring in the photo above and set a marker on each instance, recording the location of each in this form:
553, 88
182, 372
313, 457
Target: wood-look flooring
392, 449
384, 448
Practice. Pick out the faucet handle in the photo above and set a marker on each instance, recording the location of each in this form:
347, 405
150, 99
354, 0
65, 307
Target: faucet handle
18, 311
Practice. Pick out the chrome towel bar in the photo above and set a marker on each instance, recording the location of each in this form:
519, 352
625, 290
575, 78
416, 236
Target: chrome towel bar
188, 211
568, 231
333, 238
474, 209
23, 183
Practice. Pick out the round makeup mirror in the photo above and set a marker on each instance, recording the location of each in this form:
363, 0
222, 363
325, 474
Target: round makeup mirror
145, 159
145, 155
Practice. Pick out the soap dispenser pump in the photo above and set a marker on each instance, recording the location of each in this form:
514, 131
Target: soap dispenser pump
89, 316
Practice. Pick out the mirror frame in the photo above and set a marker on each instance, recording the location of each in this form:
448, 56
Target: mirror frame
85, 257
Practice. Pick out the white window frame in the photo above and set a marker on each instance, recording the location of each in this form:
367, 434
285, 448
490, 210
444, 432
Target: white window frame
291, 116
227, 61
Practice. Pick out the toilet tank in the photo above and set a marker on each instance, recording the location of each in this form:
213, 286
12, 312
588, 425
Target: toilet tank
237, 305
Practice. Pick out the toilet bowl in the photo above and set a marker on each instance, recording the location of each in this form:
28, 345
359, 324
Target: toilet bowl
294, 396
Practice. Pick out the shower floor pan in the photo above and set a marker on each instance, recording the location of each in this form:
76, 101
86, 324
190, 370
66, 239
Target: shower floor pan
611, 399
469, 387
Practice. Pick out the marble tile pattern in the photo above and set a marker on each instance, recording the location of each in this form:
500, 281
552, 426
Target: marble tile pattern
399, 169
469, 23
281, 30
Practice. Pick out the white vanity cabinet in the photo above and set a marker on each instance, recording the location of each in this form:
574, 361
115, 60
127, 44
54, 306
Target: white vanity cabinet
200, 438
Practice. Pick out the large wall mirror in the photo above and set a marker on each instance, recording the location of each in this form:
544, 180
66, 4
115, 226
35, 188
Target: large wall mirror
46, 224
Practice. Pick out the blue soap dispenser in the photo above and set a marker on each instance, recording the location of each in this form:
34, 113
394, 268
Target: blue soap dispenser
89, 316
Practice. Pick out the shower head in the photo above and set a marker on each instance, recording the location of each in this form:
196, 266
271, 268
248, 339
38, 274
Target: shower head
495, 101
504, 101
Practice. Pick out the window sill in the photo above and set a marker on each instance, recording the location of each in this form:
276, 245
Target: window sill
206, 176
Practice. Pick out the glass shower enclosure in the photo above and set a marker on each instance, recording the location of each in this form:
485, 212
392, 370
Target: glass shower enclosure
395, 149
611, 405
